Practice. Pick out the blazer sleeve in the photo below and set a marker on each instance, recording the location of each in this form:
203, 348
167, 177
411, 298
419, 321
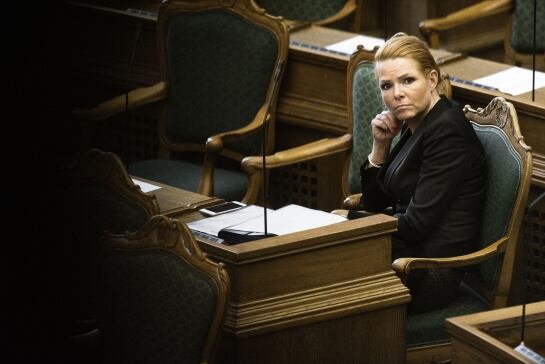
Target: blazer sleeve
374, 198
445, 160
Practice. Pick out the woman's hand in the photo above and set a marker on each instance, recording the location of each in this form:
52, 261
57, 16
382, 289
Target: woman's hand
385, 127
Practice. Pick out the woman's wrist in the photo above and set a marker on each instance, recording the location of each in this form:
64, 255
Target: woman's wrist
372, 163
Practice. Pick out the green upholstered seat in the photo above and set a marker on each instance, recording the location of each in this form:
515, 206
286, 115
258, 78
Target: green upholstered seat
218, 62
162, 301
428, 328
229, 184
523, 27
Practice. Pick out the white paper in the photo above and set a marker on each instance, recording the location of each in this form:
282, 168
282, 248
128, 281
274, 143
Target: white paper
350, 45
212, 225
144, 186
290, 219
513, 81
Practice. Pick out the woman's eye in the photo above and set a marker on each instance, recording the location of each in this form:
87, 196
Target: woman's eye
408, 80
385, 86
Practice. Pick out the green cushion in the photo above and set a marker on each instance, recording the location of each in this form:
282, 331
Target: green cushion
218, 78
158, 309
366, 104
306, 10
429, 327
90, 209
523, 26
504, 169
228, 184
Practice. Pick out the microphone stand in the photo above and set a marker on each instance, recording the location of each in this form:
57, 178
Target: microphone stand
276, 82
522, 348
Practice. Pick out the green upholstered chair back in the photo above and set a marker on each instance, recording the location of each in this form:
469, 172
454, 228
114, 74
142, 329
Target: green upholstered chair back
305, 10
98, 196
504, 171
366, 104
162, 300
508, 178
218, 66
523, 26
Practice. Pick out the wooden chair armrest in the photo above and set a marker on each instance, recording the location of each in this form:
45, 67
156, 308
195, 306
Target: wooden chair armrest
466, 15
346, 10
403, 266
136, 98
215, 143
352, 202
320, 148
302, 153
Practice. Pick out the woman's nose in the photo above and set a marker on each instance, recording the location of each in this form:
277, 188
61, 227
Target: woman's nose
398, 92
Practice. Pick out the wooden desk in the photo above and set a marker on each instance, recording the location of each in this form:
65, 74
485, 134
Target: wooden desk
490, 337
326, 295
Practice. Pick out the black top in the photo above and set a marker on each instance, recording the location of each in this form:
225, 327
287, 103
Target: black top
434, 180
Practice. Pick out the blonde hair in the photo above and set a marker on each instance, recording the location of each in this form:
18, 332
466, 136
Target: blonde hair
401, 45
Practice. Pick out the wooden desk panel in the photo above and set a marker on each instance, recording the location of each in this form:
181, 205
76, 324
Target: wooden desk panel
318, 296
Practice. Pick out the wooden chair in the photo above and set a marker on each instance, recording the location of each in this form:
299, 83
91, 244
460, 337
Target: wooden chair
219, 61
489, 274
518, 33
364, 102
96, 194
162, 299
340, 14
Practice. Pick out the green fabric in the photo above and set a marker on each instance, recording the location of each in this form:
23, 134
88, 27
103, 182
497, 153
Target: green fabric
429, 327
89, 210
306, 10
219, 67
504, 171
228, 184
158, 309
523, 26
366, 104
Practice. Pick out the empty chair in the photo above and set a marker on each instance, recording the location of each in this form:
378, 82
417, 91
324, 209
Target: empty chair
219, 61
162, 300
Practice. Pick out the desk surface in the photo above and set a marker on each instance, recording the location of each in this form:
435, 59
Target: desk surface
314, 39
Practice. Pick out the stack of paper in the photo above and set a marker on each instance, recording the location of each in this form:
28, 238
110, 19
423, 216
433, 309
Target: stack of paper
286, 220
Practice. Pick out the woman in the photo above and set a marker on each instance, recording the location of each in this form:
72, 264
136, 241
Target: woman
434, 177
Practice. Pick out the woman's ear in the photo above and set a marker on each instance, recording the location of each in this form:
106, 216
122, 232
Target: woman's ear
433, 79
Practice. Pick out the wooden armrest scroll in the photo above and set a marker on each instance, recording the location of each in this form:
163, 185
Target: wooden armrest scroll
466, 15
403, 266
136, 98
317, 149
346, 10
352, 202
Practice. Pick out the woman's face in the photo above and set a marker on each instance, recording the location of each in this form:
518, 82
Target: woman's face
407, 92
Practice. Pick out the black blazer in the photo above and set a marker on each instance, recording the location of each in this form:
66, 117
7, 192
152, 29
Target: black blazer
435, 182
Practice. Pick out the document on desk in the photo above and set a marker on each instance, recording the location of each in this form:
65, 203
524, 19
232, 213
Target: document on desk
513, 81
212, 225
290, 219
350, 45
144, 186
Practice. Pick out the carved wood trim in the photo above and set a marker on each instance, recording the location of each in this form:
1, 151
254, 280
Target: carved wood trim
381, 290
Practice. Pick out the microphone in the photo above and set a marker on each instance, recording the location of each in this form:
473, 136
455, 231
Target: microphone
233, 236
